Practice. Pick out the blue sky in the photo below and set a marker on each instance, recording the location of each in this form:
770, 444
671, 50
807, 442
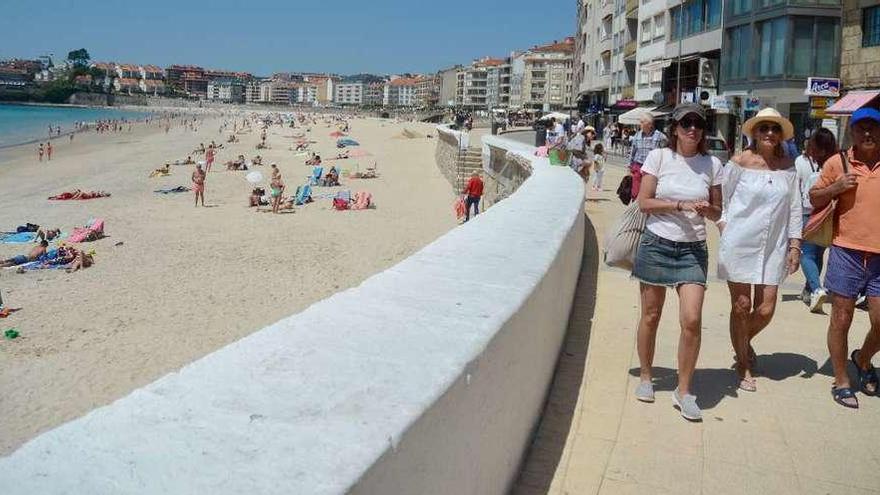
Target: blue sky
266, 36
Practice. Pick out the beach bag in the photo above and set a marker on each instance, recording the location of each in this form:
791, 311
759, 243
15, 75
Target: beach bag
558, 157
624, 190
622, 241
819, 229
340, 204
459, 208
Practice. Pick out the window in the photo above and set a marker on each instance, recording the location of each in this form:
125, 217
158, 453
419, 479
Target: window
827, 47
657, 76
659, 25
772, 47
871, 26
713, 14
644, 77
646, 31
738, 55
675, 23
802, 47
694, 20
741, 6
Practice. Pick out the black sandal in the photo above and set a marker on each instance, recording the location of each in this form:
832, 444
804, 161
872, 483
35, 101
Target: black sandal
841, 394
866, 377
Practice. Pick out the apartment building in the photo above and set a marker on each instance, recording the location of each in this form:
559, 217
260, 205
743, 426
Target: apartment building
860, 55
400, 92
427, 91
276, 92
349, 93
769, 50
471, 87
592, 57
226, 90
374, 93
541, 77
448, 85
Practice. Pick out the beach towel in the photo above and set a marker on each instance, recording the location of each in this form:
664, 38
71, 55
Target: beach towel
18, 238
178, 189
362, 200
79, 195
303, 194
317, 172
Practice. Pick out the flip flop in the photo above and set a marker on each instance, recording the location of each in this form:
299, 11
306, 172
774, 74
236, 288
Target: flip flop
841, 394
866, 377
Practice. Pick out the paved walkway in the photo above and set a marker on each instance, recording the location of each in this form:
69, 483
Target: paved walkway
789, 437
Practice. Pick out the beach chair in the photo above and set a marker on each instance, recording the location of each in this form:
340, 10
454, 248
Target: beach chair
303, 194
317, 172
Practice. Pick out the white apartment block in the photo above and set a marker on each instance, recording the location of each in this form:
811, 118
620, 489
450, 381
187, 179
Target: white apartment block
651, 52
226, 91
349, 93
592, 57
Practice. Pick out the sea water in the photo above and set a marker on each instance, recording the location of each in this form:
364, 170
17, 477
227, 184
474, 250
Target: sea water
30, 123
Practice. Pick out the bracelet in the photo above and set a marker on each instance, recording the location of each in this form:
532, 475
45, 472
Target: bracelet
678, 205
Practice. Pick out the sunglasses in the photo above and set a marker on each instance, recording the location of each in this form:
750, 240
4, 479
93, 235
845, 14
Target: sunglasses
692, 123
765, 128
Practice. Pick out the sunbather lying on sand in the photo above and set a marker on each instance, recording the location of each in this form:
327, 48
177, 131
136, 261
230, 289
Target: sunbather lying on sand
81, 261
48, 234
200, 150
342, 156
258, 160
237, 164
163, 171
331, 178
315, 160
232, 138
189, 161
21, 259
79, 195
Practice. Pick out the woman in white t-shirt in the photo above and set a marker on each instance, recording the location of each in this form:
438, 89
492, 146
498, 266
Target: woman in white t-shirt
680, 189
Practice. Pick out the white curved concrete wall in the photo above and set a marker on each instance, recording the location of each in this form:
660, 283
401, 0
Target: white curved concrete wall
426, 378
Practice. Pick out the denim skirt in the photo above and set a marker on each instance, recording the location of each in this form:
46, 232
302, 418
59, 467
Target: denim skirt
668, 263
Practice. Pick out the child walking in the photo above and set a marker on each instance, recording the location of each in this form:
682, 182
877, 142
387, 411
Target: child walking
598, 165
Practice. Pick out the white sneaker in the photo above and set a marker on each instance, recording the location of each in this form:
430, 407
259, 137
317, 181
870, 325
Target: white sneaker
817, 299
687, 406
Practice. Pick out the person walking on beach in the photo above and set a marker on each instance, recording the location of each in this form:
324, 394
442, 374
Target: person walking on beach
645, 141
209, 157
821, 146
853, 178
681, 189
40, 150
473, 192
49, 151
598, 166
276, 188
760, 233
198, 180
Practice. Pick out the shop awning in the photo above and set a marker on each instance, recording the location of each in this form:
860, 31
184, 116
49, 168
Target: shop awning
632, 117
852, 101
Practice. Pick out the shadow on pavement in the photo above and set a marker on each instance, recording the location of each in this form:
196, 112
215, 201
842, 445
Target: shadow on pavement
543, 455
712, 385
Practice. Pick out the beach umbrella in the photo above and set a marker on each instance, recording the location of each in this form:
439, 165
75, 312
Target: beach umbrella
336, 134
347, 142
358, 153
254, 177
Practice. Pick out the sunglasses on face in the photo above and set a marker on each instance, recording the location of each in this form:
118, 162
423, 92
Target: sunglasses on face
765, 128
692, 123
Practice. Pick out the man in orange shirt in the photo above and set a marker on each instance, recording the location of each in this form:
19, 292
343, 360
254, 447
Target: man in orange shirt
473, 191
853, 178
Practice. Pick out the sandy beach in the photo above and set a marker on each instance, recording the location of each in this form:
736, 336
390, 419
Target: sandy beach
172, 282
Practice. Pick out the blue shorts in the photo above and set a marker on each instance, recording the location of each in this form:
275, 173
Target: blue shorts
668, 263
19, 259
852, 272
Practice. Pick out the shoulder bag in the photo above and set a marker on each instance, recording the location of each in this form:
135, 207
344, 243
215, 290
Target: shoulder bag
820, 227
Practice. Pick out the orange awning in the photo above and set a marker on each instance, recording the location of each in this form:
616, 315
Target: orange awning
852, 101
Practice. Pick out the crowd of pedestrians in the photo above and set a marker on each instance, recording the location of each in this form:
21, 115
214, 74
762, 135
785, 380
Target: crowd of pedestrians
760, 201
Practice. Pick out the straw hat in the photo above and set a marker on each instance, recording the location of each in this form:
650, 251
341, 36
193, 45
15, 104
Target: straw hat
769, 115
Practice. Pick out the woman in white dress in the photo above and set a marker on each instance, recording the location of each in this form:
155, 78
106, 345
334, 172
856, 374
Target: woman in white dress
761, 233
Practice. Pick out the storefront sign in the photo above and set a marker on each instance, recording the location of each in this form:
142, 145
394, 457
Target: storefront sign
823, 86
626, 104
818, 104
720, 103
687, 97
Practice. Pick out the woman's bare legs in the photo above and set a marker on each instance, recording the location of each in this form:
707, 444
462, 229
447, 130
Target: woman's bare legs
652, 297
690, 317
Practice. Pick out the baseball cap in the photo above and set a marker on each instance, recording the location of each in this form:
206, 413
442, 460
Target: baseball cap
865, 113
685, 108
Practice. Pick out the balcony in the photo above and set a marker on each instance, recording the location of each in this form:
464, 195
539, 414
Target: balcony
629, 49
632, 9
627, 93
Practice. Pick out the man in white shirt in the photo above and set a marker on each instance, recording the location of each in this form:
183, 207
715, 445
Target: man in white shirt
580, 126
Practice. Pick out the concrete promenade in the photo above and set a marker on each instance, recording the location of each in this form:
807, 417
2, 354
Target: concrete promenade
788, 437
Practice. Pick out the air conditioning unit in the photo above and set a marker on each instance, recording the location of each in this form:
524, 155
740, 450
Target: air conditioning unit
704, 95
708, 75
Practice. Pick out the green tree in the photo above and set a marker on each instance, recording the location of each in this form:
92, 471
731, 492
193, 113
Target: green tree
79, 58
